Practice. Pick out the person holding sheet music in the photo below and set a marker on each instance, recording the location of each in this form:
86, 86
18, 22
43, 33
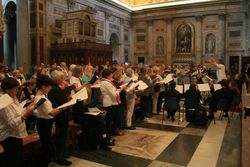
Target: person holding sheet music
130, 99
110, 100
44, 114
145, 95
58, 96
28, 93
172, 93
119, 119
156, 89
12, 124
76, 78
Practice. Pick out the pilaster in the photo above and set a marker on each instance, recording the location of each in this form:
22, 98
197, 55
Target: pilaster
169, 41
23, 57
221, 37
150, 42
121, 49
107, 34
198, 39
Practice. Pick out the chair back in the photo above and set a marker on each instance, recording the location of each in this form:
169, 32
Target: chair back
236, 100
223, 104
171, 103
191, 102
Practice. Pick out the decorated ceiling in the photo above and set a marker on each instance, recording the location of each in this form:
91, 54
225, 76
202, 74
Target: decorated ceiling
134, 3
145, 4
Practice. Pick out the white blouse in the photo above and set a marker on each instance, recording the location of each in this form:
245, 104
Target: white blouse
109, 93
43, 110
11, 122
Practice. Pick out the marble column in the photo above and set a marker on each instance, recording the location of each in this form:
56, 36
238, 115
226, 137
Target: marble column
107, 34
169, 41
198, 40
6, 44
23, 57
149, 43
221, 37
121, 49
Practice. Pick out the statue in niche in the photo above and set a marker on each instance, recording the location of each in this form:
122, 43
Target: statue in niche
210, 44
184, 39
160, 45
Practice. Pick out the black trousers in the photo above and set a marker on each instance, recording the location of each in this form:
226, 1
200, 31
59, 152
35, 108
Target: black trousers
119, 116
61, 138
44, 127
146, 107
110, 119
13, 152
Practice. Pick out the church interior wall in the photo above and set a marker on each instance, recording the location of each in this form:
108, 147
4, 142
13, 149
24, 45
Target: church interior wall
212, 37
220, 30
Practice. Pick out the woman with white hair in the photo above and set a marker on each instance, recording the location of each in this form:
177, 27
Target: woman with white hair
130, 99
76, 78
58, 96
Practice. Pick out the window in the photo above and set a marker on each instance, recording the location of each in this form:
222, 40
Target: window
58, 23
40, 20
81, 28
32, 20
41, 6
87, 29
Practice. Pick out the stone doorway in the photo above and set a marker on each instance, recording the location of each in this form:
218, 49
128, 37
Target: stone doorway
114, 42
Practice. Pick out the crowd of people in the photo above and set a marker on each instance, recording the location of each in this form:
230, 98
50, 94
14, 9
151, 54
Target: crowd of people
57, 83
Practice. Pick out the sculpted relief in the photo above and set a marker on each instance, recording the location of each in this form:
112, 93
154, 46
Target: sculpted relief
160, 45
184, 39
210, 44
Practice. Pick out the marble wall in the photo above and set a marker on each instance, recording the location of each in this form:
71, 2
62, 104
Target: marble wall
165, 35
111, 21
218, 30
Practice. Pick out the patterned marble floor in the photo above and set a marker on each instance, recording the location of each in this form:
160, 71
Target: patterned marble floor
167, 144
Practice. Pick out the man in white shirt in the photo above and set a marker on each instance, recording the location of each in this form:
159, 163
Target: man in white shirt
220, 69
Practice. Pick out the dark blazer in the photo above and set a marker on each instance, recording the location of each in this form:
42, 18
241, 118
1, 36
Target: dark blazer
173, 93
192, 95
58, 96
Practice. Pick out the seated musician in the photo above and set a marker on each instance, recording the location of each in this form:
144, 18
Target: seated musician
172, 93
192, 94
223, 93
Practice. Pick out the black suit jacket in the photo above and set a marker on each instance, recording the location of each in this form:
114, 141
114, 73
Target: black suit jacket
58, 96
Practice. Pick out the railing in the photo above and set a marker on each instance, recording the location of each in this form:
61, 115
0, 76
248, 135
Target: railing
81, 45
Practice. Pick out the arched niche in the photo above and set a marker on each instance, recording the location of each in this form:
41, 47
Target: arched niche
10, 34
114, 42
184, 36
210, 44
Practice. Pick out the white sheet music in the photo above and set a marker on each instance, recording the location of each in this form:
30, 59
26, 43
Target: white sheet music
168, 78
5, 100
94, 111
204, 87
186, 87
142, 86
217, 87
179, 88
80, 95
23, 103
